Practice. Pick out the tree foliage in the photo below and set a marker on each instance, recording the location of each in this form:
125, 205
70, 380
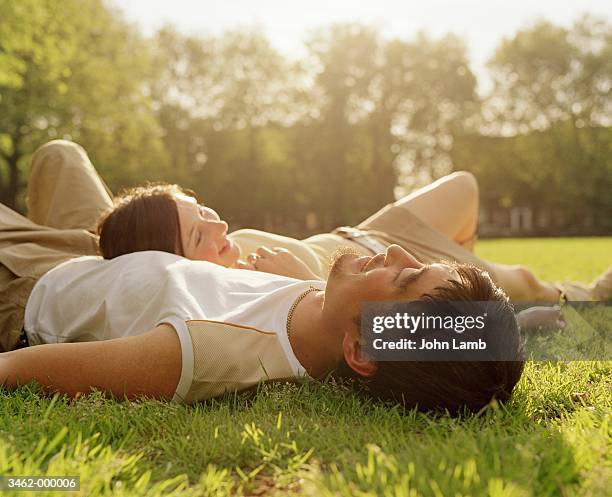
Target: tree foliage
74, 70
553, 95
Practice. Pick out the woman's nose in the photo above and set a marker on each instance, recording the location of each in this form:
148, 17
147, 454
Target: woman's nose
220, 226
209, 213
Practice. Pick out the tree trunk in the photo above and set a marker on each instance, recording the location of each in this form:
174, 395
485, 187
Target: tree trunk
10, 189
13, 185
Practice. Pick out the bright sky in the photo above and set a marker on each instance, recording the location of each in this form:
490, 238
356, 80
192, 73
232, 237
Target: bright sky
482, 23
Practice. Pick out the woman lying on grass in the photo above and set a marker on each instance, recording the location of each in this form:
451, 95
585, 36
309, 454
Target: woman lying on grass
166, 218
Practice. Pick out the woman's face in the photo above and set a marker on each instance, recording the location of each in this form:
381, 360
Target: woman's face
204, 234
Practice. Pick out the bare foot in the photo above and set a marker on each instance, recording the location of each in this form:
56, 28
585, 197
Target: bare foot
541, 317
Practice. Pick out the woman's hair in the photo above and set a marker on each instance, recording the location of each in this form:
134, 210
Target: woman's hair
143, 218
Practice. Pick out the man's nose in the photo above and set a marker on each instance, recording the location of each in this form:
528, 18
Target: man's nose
397, 255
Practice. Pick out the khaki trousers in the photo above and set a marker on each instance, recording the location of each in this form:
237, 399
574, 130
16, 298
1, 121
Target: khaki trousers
396, 224
65, 198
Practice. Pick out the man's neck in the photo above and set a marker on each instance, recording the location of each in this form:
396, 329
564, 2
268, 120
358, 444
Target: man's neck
318, 349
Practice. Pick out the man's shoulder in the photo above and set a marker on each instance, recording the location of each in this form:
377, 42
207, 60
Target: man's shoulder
91, 264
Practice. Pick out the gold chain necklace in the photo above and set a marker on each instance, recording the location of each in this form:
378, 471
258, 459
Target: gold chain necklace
294, 306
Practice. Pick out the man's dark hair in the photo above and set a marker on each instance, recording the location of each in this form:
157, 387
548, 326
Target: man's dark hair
143, 218
456, 385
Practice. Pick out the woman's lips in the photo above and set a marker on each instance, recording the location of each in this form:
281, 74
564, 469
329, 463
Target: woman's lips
225, 247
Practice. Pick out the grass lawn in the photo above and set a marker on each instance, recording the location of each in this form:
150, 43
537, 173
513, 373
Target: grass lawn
553, 438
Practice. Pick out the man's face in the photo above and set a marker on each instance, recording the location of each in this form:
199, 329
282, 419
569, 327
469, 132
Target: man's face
394, 275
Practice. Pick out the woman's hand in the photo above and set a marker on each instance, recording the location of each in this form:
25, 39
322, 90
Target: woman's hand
240, 264
278, 261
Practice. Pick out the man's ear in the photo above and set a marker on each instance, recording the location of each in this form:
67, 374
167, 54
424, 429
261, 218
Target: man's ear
355, 359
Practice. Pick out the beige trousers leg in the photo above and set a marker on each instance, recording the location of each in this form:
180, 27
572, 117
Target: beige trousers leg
64, 189
65, 198
449, 205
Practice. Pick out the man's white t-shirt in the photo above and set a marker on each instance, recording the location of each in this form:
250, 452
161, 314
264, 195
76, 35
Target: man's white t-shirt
89, 299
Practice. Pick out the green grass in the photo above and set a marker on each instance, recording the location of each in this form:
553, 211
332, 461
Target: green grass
553, 438
580, 259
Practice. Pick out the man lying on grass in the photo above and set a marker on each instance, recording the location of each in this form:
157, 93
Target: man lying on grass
190, 330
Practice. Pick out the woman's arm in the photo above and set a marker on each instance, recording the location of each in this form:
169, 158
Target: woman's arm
280, 261
147, 365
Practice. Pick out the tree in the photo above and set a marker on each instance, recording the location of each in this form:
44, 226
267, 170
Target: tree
548, 74
32, 81
76, 71
429, 96
555, 83
219, 100
347, 58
